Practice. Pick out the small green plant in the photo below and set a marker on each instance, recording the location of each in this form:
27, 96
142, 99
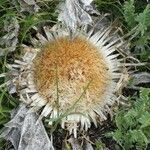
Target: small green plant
99, 145
133, 125
129, 13
132, 18
137, 21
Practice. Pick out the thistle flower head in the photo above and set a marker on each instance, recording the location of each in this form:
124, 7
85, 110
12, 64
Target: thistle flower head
70, 78
75, 63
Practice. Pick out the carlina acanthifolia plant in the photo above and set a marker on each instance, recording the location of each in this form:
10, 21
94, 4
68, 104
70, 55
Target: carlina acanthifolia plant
70, 73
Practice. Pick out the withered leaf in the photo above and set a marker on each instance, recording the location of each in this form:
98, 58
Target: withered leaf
9, 41
25, 131
28, 6
75, 13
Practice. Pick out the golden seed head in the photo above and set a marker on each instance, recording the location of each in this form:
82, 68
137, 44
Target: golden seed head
64, 67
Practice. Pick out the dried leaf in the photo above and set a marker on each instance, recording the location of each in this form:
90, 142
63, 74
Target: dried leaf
89, 146
28, 6
10, 39
86, 2
73, 13
139, 78
75, 144
25, 131
12, 74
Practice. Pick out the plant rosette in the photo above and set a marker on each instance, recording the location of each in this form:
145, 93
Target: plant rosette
74, 80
